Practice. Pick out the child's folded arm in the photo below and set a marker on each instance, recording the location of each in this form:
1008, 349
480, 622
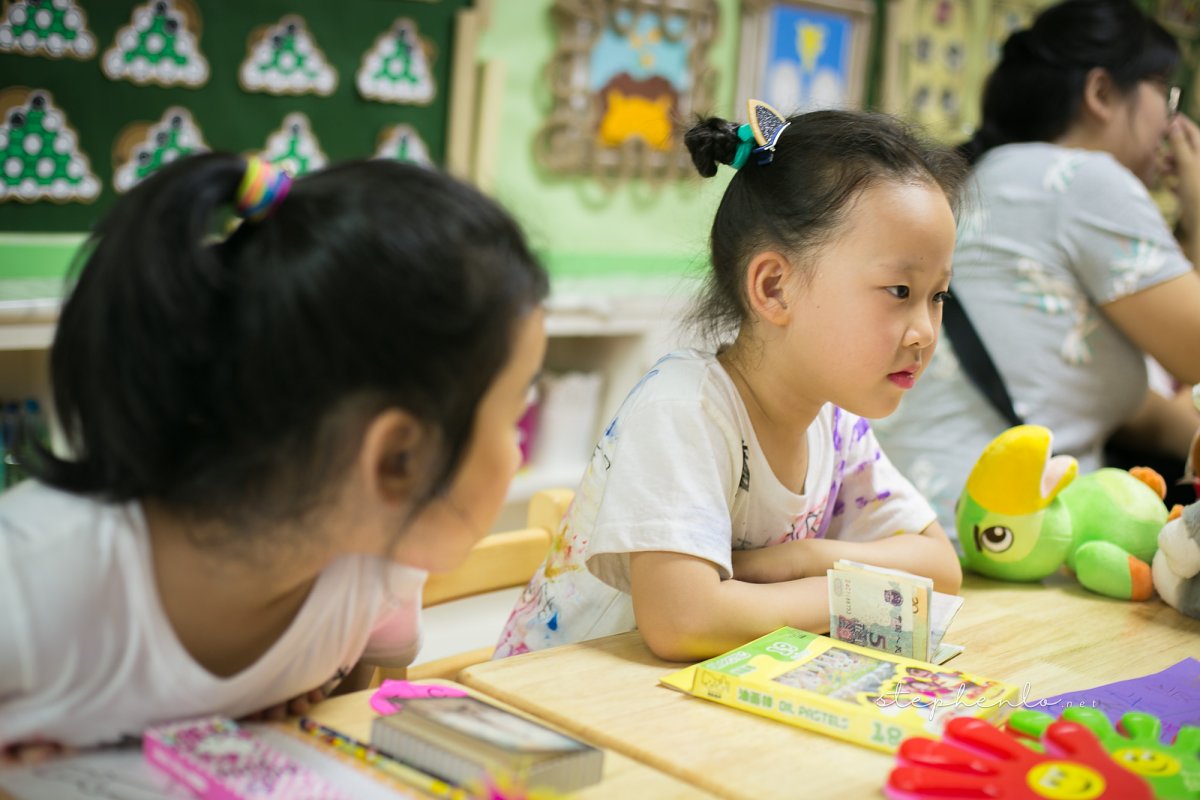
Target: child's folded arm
928, 553
685, 612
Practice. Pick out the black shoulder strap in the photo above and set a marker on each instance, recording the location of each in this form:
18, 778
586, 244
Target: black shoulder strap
975, 360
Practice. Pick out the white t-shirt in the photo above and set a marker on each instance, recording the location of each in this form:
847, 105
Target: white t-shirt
1049, 235
679, 469
87, 655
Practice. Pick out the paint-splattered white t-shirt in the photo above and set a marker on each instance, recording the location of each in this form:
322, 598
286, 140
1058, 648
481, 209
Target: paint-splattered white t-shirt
1048, 235
679, 469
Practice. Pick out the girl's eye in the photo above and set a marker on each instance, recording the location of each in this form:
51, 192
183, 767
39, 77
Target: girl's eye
941, 297
900, 292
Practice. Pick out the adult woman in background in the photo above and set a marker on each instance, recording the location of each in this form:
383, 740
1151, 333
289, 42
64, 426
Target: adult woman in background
1064, 266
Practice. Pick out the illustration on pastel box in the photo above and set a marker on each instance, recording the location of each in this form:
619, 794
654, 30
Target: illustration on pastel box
284, 59
39, 151
160, 45
403, 143
53, 28
397, 67
293, 147
144, 148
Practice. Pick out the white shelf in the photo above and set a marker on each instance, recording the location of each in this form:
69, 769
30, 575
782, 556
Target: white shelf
534, 479
27, 336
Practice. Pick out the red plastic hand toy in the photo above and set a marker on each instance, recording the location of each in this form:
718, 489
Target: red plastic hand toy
975, 760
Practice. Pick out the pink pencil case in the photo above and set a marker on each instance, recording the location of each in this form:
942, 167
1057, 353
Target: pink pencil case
218, 760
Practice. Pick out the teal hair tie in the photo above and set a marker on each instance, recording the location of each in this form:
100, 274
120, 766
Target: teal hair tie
745, 147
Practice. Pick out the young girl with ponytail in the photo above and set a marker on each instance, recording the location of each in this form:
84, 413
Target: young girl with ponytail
271, 437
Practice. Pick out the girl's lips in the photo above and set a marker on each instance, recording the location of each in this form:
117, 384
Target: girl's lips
905, 380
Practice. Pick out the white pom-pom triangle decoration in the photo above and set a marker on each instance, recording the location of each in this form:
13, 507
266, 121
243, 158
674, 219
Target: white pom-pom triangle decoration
144, 149
52, 28
160, 45
284, 59
403, 143
39, 154
293, 147
397, 67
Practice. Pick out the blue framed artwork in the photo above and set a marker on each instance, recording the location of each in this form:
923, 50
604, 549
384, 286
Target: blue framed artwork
802, 56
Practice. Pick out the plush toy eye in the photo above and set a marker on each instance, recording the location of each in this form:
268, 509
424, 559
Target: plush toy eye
995, 539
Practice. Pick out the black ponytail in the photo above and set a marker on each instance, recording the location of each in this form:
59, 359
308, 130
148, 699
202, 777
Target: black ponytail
131, 345
712, 141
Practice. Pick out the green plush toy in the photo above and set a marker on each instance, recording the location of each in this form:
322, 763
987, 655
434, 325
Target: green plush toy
1023, 515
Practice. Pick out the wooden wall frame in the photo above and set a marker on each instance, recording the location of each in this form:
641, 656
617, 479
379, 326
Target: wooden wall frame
613, 120
804, 55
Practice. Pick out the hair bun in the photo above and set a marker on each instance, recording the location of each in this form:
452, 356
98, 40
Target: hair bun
711, 142
1025, 45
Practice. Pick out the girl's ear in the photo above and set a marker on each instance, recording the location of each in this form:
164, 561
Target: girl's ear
768, 280
393, 457
1100, 95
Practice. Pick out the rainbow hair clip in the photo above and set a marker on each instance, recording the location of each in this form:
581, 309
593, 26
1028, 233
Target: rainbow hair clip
262, 189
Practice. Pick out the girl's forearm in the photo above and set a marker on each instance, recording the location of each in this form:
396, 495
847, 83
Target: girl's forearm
929, 553
920, 554
730, 614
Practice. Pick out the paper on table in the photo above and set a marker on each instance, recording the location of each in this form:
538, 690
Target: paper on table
123, 774
942, 609
1172, 695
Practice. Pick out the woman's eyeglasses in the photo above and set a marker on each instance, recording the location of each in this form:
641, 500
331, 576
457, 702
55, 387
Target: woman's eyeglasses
1172, 93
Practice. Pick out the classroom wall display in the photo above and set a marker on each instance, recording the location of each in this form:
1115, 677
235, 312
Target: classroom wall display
51, 28
143, 148
935, 75
624, 75
284, 59
293, 147
39, 151
160, 45
396, 67
403, 143
801, 56
230, 118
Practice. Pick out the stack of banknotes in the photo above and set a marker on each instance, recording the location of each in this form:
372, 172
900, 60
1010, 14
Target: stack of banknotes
890, 610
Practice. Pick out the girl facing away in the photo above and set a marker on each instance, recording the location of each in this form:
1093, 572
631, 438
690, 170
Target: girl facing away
728, 482
274, 436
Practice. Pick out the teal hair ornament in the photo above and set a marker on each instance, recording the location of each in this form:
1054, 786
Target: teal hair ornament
745, 145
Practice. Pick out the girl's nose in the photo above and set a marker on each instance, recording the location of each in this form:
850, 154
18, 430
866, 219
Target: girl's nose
921, 331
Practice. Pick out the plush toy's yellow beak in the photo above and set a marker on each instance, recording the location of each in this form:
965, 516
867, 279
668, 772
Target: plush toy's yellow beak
1015, 475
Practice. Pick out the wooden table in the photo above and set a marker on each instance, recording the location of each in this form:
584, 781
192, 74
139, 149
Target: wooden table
1048, 638
623, 777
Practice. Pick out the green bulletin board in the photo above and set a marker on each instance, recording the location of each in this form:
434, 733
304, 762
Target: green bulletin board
346, 124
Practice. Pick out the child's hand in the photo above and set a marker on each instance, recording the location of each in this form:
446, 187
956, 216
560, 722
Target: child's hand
294, 707
31, 753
